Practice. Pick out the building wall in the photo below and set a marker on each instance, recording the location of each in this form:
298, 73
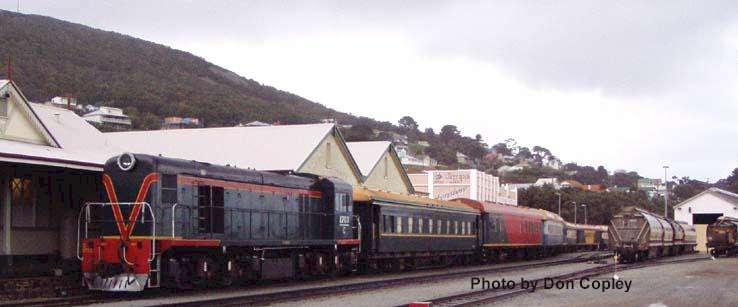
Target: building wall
471, 184
387, 176
329, 159
39, 208
707, 203
17, 125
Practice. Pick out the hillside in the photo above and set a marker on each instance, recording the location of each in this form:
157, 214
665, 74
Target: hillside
53, 57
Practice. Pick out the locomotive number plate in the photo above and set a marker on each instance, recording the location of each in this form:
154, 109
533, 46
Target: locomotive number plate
344, 220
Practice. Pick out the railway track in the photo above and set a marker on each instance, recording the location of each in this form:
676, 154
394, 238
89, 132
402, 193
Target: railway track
259, 299
263, 299
480, 297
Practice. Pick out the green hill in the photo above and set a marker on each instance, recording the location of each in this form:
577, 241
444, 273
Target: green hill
53, 57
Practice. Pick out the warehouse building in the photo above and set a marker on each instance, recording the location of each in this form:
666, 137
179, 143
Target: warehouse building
380, 167
704, 208
317, 149
50, 160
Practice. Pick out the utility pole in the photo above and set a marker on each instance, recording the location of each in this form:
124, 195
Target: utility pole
585, 213
666, 193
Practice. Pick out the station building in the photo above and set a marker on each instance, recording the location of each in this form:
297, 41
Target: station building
704, 208
50, 160
381, 167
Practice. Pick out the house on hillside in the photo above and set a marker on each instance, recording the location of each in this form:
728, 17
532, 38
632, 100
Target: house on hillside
380, 167
109, 117
315, 148
553, 182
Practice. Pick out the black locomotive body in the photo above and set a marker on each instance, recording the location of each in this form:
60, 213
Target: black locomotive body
201, 224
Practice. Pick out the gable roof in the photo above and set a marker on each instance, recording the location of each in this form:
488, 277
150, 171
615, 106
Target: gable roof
30, 114
270, 148
76, 143
368, 154
81, 146
720, 193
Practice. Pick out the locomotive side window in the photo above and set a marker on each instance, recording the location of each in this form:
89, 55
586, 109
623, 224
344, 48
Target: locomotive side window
211, 216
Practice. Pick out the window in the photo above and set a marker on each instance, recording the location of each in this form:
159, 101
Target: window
22, 207
399, 224
210, 202
440, 223
463, 228
448, 227
328, 155
4, 106
410, 224
420, 225
343, 203
456, 227
430, 225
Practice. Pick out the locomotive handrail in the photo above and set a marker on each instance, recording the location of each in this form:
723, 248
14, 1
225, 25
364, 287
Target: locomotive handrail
358, 230
86, 210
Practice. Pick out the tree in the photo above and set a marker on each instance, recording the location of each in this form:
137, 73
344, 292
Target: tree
502, 149
524, 154
449, 133
408, 124
360, 133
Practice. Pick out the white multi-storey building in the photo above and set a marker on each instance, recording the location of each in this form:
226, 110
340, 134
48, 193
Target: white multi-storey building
469, 183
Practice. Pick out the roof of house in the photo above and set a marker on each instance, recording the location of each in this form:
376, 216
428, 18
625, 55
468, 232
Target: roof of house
274, 148
723, 194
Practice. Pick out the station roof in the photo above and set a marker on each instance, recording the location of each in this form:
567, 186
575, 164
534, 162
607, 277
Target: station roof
71, 141
271, 148
368, 154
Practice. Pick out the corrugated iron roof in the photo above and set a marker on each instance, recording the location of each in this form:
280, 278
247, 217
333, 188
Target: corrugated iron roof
262, 148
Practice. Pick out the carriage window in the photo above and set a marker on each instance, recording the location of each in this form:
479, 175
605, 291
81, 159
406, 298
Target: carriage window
448, 227
420, 225
430, 225
409, 224
456, 227
440, 223
399, 224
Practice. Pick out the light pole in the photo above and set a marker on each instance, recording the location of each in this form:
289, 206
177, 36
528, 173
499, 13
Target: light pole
585, 213
559, 195
575, 211
666, 193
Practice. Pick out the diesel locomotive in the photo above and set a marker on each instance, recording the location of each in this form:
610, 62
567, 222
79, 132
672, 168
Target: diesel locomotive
722, 236
186, 224
636, 234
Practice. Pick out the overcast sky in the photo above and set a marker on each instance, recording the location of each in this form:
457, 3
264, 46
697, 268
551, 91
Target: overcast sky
627, 85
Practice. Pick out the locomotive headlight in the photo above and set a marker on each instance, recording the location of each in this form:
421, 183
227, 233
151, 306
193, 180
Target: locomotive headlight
126, 161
